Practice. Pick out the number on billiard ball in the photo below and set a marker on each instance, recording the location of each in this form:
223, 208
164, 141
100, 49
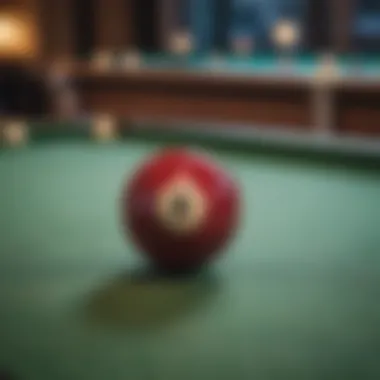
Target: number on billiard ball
181, 206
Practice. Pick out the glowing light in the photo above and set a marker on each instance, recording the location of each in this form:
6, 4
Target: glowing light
16, 35
286, 34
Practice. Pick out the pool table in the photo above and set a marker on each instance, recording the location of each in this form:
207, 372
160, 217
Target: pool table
305, 94
296, 295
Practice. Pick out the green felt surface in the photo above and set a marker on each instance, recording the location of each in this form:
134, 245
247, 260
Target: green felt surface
295, 297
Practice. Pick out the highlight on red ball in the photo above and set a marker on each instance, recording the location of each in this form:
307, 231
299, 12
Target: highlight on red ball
181, 209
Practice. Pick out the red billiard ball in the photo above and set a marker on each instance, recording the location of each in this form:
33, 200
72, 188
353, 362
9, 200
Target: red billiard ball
181, 209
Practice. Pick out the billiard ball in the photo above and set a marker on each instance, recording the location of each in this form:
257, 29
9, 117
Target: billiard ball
102, 60
15, 133
181, 43
131, 60
181, 209
104, 128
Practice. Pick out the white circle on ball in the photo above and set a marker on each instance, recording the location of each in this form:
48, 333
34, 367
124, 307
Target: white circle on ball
181, 206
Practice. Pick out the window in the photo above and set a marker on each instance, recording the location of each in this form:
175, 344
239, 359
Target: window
215, 23
366, 25
257, 18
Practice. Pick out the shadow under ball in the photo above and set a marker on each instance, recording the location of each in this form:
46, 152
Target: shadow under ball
181, 209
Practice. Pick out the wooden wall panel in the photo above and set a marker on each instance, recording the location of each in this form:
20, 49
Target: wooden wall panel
152, 105
144, 96
114, 29
13, 3
342, 19
168, 21
58, 28
358, 111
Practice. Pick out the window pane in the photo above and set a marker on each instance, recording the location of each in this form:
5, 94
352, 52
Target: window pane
366, 25
201, 23
216, 23
256, 18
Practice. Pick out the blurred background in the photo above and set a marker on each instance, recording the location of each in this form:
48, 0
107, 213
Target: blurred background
305, 65
297, 296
